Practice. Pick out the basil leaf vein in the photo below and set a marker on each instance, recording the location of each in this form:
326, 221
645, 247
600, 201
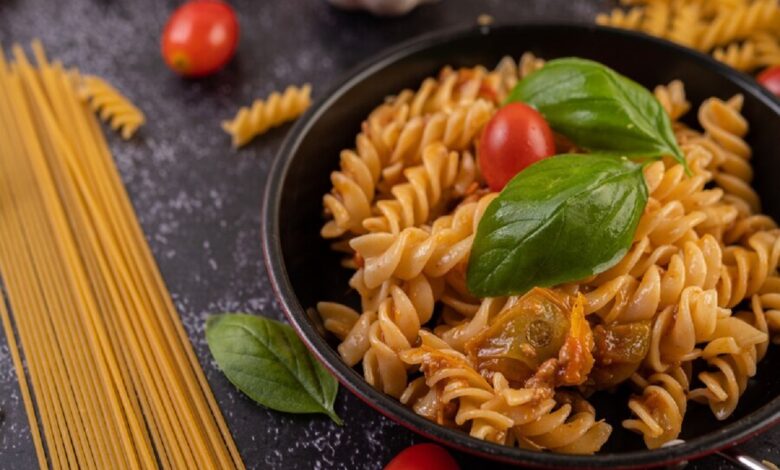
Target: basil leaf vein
599, 109
267, 361
562, 219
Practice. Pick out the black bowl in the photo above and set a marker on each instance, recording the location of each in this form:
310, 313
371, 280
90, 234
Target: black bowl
303, 270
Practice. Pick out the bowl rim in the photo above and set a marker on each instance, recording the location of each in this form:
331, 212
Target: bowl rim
746, 427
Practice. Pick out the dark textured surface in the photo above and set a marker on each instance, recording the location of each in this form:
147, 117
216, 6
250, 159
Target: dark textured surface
199, 201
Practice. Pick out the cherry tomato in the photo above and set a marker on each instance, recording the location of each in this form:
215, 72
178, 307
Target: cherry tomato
200, 37
515, 137
770, 78
423, 457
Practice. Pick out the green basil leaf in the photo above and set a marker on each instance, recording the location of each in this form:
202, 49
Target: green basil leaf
265, 359
560, 220
599, 109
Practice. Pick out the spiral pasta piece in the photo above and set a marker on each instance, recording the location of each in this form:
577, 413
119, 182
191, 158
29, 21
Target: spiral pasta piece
756, 317
414, 250
767, 304
660, 408
456, 335
262, 115
356, 184
618, 18
748, 225
396, 328
743, 57
510, 72
456, 382
678, 328
337, 318
672, 98
740, 22
456, 129
723, 122
496, 411
656, 20
767, 49
114, 108
686, 25
461, 87
428, 187
640, 288
748, 267
731, 352
571, 428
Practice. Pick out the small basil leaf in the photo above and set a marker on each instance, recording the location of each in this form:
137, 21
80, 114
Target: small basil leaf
599, 109
560, 220
265, 359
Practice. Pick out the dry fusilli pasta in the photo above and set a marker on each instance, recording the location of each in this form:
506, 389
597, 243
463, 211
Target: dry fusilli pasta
744, 34
262, 115
111, 105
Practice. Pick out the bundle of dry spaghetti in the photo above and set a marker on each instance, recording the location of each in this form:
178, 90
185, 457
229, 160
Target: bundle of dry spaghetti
111, 380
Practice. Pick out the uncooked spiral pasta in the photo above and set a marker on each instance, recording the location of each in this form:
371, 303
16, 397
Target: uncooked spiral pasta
656, 20
743, 34
686, 25
739, 23
684, 315
278, 108
742, 57
631, 19
118, 111
761, 49
767, 48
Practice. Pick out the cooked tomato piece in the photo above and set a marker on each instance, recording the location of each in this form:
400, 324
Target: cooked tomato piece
619, 351
522, 337
575, 359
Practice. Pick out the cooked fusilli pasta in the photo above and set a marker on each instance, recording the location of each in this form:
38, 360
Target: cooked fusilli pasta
660, 409
406, 203
262, 115
367, 171
672, 98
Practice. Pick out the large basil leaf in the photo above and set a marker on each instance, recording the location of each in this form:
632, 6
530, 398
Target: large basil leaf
599, 109
266, 360
562, 219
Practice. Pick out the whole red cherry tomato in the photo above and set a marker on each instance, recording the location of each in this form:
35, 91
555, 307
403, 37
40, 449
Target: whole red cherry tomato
513, 139
200, 37
423, 457
770, 78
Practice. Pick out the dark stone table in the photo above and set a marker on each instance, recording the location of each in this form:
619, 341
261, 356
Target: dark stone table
199, 201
